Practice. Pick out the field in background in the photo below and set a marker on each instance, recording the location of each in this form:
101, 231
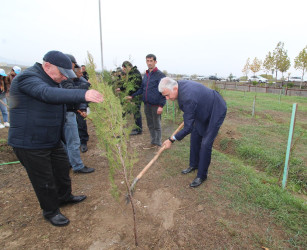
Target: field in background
262, 140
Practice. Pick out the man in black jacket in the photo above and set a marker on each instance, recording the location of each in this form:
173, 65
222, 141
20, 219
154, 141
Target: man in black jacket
37, 113
134, 83
82, 113
84, 73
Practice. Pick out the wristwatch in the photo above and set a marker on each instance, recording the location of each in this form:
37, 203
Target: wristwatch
171, 140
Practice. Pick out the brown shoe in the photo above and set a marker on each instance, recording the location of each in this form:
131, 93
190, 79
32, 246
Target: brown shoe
150, 146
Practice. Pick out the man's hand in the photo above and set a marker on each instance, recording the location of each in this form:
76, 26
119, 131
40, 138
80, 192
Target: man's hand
82, 113
93, 96
160, 110
167, 144
128, 97
117, 90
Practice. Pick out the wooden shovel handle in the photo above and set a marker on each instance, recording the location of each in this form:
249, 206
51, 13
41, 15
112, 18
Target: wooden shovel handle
157, 155
178, 129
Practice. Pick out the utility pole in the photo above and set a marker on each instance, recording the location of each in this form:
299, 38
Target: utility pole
100, 37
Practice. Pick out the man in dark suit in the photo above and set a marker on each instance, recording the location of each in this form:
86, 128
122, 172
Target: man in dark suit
204, 112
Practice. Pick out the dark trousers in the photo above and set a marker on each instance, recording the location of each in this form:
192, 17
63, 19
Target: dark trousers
138, 117
201, 148
153, 123
48, 171
82, 129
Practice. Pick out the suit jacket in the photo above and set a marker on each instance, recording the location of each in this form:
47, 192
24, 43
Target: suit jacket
203, 108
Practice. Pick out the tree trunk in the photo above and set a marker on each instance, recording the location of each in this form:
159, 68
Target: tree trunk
276, 76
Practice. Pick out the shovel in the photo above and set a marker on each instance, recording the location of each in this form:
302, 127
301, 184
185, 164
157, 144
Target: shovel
136, 179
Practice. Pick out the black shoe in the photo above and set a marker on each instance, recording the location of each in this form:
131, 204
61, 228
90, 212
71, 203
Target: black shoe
188, 170
73, 199
83, 148
58, 220
136, 132
85, 170
197, 181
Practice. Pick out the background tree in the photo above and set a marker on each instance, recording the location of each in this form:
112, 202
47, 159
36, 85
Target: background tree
178, 76
268, 63
165, 72
300, 63
284, 64
281, 59
246, 68
256, 65
194, 76
230, 77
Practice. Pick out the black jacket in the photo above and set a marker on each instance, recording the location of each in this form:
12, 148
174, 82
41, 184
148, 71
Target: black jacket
76, 83
37, 110
85, 75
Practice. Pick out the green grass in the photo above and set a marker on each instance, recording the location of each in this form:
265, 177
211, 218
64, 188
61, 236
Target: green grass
251, 190
264, 138
2, 141
247, 191
171, 112
224, 143
265, 147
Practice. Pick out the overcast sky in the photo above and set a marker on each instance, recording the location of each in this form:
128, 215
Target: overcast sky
188, 37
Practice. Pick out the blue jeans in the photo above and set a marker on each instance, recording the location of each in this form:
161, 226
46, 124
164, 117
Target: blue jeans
72, 141
4, 110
